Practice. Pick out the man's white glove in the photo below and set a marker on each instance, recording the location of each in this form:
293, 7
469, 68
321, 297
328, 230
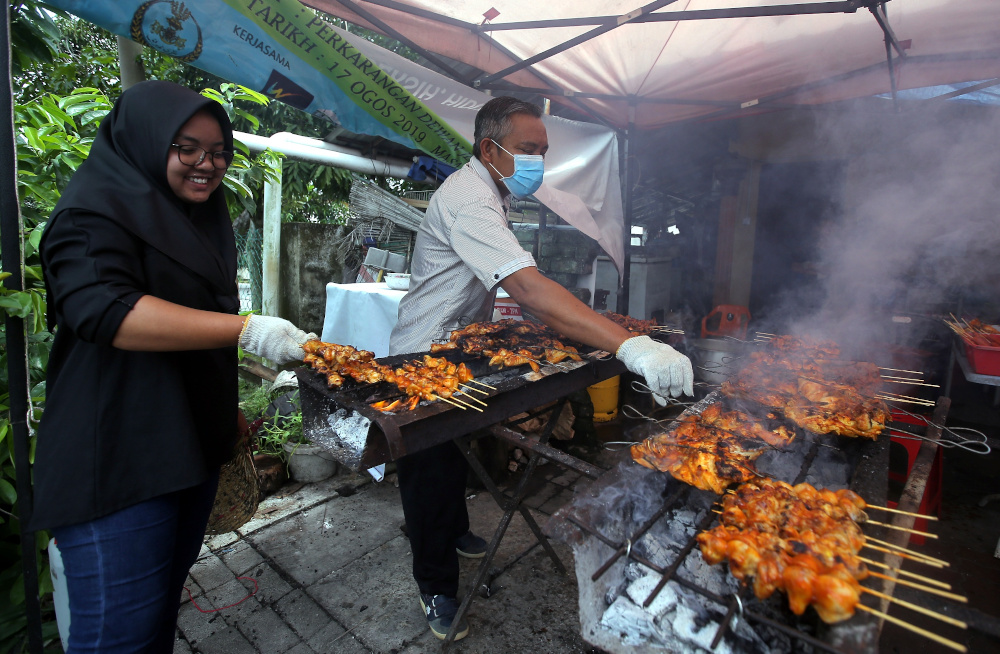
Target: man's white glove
667, 372
275, 339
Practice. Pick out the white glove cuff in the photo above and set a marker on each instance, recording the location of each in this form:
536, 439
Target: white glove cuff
631, 347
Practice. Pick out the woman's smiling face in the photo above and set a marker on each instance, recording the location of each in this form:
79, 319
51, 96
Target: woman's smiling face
194, 184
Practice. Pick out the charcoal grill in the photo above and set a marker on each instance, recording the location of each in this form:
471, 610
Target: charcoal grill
329, 416
626, 515
361, 437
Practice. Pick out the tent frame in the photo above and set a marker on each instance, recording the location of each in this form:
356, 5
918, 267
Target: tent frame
605, 24
11, 224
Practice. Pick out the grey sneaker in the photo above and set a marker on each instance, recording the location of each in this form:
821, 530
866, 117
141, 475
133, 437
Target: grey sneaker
440, 611
470, 546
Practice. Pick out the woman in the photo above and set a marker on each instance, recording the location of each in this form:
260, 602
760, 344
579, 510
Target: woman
140, 265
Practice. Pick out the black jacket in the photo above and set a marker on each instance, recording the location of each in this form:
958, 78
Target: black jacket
119, 426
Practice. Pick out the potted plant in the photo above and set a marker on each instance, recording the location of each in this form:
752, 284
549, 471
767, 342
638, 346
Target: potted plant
282, 434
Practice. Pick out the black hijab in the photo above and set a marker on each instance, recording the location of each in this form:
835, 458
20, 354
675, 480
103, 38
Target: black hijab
125, 180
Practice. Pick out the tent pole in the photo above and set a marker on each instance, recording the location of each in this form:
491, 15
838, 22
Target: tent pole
11, 226
629, 150
883, 21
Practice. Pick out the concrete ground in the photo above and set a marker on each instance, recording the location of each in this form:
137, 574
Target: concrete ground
322, 571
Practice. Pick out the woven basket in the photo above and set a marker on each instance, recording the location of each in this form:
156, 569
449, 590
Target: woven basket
238, 496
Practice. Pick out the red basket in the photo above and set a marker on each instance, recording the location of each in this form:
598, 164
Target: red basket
984, 360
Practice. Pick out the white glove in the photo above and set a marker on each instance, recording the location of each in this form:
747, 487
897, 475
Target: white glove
275, 339
667, 372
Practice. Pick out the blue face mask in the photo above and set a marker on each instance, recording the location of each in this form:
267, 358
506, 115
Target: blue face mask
528, 172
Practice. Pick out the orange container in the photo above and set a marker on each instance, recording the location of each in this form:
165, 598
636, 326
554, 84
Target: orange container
726, 320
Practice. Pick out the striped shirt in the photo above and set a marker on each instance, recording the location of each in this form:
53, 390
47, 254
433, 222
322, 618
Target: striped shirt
464, 249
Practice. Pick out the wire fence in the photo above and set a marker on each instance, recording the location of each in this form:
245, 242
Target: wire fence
250, 269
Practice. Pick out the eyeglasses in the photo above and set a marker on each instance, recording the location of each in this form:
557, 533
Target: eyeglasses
192, 155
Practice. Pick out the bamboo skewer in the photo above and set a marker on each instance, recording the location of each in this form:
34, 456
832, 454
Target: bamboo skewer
912, 372
918, 609
941, 562
466, 387
879, 548
476, 381
917, 630
466, 404
452, 402
885, 508
893, 398
909, 397
926, 589
907, 573
925, 534
469, 398
911, 382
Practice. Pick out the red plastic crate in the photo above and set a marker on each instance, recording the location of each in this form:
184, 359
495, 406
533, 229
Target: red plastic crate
983, 359
930, 503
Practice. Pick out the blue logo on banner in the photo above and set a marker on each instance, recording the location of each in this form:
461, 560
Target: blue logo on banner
167, 26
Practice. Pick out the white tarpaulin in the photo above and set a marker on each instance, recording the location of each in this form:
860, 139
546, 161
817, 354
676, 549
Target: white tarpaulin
674, 70
581, 167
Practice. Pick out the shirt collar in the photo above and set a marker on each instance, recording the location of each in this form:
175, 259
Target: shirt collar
484, 173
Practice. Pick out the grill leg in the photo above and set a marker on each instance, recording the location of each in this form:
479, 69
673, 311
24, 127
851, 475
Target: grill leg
510, 505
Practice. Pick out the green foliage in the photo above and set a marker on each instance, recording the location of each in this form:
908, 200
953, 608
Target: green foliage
34, 35
246, 176
278, 430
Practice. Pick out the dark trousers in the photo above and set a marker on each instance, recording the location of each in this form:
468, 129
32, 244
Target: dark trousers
432, 487
125, 571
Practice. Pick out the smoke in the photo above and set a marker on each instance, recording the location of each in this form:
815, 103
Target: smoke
919, 221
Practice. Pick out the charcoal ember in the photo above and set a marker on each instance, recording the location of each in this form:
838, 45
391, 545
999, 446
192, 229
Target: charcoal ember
691, 627
635, 571
660, 545
715, 578
665, 600
632, 625
614, 592
830, 469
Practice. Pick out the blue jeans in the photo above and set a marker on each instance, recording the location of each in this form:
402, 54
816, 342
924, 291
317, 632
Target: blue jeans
125, 571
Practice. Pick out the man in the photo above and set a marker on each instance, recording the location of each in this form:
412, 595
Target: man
464, 252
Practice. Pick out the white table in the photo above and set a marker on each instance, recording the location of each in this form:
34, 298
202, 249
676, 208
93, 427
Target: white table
361, 315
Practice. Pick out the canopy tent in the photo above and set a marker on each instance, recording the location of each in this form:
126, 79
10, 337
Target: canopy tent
673, 60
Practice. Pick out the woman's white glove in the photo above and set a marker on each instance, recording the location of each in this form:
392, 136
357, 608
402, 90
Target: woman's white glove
667, 372
275, 339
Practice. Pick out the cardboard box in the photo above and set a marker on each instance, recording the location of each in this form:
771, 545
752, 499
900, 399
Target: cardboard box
505, 307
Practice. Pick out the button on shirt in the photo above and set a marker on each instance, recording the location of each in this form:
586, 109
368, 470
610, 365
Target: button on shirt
464, 249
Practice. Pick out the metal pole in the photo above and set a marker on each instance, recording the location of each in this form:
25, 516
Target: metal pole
630, 142
11, 226
272, 245
892, 69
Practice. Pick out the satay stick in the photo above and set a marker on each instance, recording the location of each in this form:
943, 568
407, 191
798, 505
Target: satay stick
878, 548
473, 399
476, 381
942, 562
466, 387
912, 372
466, 404
918, 609
911, 382
763, 334
909, 397
917, 630
452, 402
926, 589
925, 534
906, 573
890, 398
885, 508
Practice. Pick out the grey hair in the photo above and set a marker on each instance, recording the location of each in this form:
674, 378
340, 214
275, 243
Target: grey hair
493, 120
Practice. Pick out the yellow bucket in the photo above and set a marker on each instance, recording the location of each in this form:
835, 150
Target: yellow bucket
604, 395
